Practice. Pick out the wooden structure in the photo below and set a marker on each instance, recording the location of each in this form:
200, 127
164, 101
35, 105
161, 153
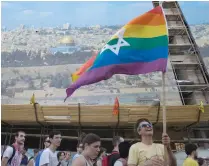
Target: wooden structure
99, 115
37, 121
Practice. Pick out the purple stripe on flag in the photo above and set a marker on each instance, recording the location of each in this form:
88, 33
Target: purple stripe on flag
104, 73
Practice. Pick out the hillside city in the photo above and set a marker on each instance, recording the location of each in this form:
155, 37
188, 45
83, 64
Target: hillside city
41, 61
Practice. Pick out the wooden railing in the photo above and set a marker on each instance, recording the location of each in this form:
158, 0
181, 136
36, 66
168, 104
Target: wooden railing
99, 115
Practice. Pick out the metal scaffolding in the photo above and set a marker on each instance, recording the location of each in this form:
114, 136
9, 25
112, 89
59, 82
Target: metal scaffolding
184, 56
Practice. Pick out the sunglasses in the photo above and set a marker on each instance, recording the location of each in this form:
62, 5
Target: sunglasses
48, 141
145, 124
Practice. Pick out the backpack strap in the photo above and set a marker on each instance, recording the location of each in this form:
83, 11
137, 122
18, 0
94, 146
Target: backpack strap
13, 154
30, 159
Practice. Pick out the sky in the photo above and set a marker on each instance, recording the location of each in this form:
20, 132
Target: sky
53, 14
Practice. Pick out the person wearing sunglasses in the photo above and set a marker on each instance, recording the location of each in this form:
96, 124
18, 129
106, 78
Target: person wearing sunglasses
147, 153
79, 150
46, 145
49, 156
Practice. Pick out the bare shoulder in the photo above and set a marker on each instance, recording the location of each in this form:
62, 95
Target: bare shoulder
79, 161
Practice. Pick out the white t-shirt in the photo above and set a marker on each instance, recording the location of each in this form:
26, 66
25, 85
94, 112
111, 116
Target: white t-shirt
118, 163
16, 160
48, 157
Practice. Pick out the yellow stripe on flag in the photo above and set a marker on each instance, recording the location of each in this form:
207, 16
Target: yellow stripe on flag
74, 77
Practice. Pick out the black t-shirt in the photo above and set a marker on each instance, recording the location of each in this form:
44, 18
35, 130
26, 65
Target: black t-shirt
113, 158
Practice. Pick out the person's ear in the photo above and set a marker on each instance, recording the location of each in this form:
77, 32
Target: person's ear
85, 145
139, 131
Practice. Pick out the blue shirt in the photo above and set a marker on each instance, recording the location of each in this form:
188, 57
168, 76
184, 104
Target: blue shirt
24, 161
37, 160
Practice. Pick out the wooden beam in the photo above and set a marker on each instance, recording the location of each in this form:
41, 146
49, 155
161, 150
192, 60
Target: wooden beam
100, 115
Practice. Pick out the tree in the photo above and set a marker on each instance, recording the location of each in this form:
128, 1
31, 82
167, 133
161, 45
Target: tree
128, 82
12, 82
117, 77
66, 82
56, 81
31, 85
41, 82
38, 76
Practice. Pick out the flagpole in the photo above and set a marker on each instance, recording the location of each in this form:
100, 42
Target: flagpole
163, 82
164, 98
164, 103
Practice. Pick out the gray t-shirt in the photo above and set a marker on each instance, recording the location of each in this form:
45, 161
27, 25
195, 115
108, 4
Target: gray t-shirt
48, 157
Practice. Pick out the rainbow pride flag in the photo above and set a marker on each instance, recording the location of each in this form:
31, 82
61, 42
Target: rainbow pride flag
84, 67
139, 47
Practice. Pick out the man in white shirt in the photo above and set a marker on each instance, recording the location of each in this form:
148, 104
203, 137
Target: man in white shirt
49, 156
12, 155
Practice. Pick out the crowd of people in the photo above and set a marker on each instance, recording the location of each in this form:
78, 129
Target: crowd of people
90, 152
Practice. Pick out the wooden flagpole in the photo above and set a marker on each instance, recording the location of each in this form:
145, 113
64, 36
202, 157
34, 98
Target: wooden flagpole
164, 117
164, 100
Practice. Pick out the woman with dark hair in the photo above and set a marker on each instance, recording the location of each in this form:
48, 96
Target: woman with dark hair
123, 150
60, 157
201, 162
91, 148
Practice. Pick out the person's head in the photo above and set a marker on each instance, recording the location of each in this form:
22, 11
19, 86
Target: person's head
35, 151
60, 156
144, 127
67, 156
80, 148
201, 161
124, 149
91, 144
47, 142
191, 150
20, 137
117, 140
102, 152
55, 138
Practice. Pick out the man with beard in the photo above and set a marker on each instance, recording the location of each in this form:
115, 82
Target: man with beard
147, 153
191, 151
49, 157
12, 156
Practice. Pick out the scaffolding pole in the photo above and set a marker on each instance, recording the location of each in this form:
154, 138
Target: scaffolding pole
185, 140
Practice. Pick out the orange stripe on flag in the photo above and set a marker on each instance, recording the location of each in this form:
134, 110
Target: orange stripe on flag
86, 65
149, 19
